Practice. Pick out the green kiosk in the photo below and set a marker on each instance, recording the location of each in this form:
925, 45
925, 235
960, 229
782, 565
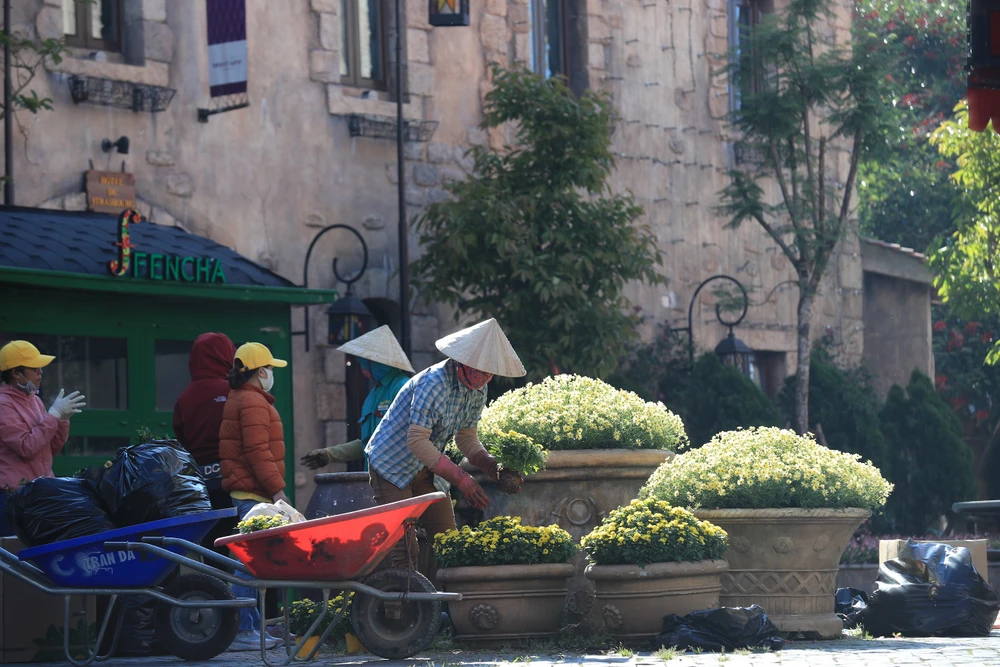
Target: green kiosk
119, 302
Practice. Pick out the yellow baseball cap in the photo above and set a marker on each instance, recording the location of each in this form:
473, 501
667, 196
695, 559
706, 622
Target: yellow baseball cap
19, 353
255, 355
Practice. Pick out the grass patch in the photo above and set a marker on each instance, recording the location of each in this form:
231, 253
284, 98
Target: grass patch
623, 651
665, 653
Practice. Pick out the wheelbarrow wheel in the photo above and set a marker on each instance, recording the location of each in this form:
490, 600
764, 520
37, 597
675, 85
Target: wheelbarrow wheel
403, 629
197, 634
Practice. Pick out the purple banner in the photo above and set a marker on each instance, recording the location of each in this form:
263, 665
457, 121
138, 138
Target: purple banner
227, 47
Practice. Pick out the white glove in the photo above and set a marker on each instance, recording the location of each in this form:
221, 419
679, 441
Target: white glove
65, 407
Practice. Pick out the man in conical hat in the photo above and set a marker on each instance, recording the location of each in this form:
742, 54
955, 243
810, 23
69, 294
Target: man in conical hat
442, 402
383, 360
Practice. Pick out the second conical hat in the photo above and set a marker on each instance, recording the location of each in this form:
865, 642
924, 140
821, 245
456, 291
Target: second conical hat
381, 346
485, 348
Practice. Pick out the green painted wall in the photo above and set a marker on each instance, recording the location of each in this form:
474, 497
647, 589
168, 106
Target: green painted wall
142, 320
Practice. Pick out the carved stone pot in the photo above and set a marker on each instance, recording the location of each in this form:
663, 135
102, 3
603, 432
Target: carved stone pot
576, 490
787, 560
502, 603
633, 600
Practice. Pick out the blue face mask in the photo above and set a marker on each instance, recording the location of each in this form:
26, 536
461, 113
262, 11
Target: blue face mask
377, 370
29, 388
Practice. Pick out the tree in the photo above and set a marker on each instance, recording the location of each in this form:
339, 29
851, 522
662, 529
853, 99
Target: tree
802, 99
904, 196
535, 238
27, 56
966, 263
931, 464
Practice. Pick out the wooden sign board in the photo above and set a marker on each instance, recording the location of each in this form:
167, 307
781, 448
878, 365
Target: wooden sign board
109, 191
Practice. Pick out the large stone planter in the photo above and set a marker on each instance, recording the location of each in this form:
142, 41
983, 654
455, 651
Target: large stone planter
787, 560
576, 490
501, 603
633, 600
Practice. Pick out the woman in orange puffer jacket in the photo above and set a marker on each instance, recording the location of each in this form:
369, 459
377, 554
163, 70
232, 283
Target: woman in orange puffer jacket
252, 456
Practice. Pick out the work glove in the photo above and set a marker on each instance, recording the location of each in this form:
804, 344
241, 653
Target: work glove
65, 407
280, 495
485, 462
448, 471
349, 451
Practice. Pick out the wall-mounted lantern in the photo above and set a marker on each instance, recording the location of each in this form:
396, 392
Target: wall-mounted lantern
732, 351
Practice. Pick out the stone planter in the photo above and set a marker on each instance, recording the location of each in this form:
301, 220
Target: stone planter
576, 490
633, 600
787, 561
501, 603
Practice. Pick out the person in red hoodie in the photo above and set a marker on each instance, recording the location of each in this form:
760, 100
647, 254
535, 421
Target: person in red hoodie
198, 417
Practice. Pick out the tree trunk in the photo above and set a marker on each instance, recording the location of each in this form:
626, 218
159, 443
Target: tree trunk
802, 368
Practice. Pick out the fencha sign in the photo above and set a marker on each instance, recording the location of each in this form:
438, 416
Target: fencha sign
133, 263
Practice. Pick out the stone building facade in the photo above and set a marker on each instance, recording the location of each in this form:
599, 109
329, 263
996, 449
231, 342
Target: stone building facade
264, 179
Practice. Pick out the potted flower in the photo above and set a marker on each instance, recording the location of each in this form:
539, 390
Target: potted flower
517, 454
602, 444
303, 613
649, 559
512, 579
790, 507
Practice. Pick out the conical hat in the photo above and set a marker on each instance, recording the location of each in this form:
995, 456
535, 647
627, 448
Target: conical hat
485, 348
379, 345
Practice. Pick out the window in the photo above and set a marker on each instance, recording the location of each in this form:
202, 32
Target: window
96, 367
172, 374
548, 37
363, 38
93, 24
744, 16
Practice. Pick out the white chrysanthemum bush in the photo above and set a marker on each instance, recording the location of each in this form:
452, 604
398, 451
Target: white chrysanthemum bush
767, 467
576, 412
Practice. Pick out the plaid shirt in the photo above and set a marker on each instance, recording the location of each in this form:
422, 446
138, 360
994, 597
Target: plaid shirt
434, 399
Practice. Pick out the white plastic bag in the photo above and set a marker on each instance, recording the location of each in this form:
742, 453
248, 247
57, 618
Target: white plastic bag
280, 508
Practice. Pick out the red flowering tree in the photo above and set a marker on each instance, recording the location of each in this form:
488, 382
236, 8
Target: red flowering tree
907, 197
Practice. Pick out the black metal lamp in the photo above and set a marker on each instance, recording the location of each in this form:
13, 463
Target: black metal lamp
449, 12
121, 145
734, 352
348, 319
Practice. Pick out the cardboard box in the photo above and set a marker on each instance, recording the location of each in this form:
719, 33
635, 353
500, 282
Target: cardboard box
889, 549
31, 622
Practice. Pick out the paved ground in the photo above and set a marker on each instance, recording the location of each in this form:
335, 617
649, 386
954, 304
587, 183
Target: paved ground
849, 651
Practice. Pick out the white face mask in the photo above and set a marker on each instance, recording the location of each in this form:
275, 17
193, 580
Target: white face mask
267, 382
30, 388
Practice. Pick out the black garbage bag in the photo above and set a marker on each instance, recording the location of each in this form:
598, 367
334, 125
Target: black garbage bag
849, 604
52, 509
138, 627
930, 590
727, 628
152, 481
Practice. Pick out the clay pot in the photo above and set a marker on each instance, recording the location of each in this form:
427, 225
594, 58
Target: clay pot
576, 490
502, 603
338, 493
633, 600
787, 560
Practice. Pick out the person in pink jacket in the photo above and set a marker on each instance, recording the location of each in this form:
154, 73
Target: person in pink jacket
30, 436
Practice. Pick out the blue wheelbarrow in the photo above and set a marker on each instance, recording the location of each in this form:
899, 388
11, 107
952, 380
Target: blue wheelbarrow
198, 617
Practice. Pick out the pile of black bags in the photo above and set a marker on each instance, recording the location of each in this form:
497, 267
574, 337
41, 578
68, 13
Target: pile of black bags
147, 482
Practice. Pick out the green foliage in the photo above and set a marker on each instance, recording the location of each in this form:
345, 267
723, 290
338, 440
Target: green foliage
535, 238
721, 398
962, 378
932, 465
803, 97
503, 541
303, 613
27, 57
903, 193
767, 467
658, 370
255, 523
845, 405
651, 531
966, 262
574, 412
514, 451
